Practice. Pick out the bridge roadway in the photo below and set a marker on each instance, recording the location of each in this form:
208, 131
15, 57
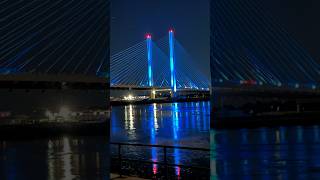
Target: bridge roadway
74, 81
133, 87
156, 88
265, 91
78, 81
52, 81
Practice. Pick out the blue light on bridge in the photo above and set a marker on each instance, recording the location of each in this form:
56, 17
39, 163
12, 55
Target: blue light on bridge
149, 48
172, 68
162, 66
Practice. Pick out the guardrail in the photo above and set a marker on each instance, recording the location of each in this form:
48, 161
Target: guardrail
165, 162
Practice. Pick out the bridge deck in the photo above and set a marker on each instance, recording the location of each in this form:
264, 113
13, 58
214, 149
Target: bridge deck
266, 91
51, 81
53, 78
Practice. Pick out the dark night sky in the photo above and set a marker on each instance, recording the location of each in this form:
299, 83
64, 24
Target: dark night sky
301, 19
131, 19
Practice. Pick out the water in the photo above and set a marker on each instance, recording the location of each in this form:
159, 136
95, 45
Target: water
183, 124
261, 153
266, 153
54, 158
82, 157
179, 124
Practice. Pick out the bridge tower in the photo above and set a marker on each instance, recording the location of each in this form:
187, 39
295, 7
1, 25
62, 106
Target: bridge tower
172, 62
149, 50
149, 54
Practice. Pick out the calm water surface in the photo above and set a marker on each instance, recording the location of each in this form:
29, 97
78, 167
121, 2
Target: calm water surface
179, 124
54, 158
266, 153
185, 124
261, 153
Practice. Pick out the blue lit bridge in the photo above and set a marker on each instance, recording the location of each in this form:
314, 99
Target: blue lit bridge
54, 57
162, 64
250, 47
259, 70
43, 41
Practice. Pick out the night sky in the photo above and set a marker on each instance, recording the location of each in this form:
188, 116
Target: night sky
131, 19
301, 19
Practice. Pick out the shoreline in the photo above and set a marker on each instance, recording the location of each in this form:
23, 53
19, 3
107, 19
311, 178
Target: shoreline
158, 101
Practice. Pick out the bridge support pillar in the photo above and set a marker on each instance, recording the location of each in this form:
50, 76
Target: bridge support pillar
172, 62
149, 49
153, 94
172, 94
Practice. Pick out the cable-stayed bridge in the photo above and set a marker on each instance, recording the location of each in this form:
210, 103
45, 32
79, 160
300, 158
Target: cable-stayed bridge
54, 42
249, 46
54, 57
261, 75
157, 64
46, 44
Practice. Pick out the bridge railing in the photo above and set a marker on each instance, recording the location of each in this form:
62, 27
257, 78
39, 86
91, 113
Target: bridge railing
166, 167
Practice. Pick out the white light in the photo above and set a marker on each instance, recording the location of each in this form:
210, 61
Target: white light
129, 97
64, 112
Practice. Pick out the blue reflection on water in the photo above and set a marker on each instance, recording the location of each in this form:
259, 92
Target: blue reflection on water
179, 124
266, 153
154, 126
166, 123
175, 120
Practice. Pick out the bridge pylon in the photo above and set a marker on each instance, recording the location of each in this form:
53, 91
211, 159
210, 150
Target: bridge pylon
149, 54
172, 62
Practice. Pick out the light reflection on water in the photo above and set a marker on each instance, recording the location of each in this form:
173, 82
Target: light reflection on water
168, 124
55, 158
266, 153
179, 124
